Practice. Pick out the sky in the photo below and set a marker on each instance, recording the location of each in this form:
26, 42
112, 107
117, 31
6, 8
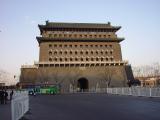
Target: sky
19, 19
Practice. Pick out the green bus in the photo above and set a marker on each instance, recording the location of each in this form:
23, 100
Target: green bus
49, 90
44, 90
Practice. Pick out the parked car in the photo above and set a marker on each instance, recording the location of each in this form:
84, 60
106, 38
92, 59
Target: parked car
31, 91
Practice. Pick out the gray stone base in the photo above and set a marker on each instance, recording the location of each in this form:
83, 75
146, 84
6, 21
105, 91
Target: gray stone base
69, 77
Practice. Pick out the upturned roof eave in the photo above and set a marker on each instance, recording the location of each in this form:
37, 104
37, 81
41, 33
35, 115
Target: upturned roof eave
40, 39
50, 25
76, 27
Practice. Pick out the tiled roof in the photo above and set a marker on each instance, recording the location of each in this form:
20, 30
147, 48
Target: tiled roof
40, 39
78, 25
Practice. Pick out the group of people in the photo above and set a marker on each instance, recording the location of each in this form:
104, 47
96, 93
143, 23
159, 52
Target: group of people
4, 96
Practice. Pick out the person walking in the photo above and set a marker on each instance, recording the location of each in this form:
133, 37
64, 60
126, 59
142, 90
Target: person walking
5, 97
2, 96
11, 94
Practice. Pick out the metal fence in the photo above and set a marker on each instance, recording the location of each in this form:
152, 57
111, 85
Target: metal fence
133, 91
136, 91
19, 104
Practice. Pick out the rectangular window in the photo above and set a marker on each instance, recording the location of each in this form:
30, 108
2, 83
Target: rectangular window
50, 45
50, 35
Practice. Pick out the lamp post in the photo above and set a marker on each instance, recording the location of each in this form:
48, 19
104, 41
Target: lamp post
15, 77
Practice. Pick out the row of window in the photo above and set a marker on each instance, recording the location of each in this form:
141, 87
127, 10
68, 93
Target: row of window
80, 35
60, 46
80, 52
81, 59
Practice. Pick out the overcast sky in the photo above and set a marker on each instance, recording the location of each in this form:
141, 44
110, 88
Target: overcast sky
140, 21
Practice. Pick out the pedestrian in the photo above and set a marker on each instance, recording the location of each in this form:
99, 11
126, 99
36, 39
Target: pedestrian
2, 96
34, 91
5, 97
1, 93
11, 94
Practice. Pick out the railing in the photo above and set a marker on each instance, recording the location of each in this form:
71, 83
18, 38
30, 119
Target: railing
29, 66
133, 91
19, 104
81, 62
136, 91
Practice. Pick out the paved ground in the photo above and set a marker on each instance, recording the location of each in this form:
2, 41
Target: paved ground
93, 107
5, 111
88, 107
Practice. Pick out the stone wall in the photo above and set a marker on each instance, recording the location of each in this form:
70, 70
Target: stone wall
28, 75
105, 50
67, 77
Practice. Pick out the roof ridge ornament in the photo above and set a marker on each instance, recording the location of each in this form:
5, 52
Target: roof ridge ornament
109, 23
47, 21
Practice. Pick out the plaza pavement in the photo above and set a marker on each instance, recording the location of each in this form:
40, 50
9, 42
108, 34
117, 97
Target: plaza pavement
5, 111
88, 107
93, 107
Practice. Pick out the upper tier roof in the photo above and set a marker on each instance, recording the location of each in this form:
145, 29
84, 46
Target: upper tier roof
41, 39
51, 25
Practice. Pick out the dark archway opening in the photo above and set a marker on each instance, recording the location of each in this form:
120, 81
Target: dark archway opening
83, 84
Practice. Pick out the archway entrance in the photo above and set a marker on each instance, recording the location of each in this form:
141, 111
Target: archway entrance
83, 84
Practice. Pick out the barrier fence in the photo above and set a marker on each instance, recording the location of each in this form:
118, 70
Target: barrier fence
19, 104
133, 91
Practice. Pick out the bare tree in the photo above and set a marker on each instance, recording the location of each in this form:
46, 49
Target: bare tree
73, 76
147, 70
47, 77
124, 76
53, 77
43, 76
107, 75
156, 69
57, 77
7, 78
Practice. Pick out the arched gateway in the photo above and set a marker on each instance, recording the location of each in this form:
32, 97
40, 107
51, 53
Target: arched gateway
82, 84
